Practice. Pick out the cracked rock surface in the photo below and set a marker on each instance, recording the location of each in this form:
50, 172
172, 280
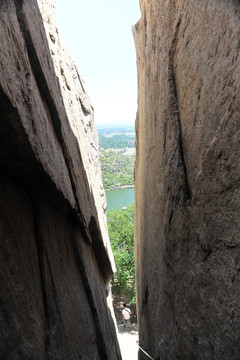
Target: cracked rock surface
55, 257
187, 177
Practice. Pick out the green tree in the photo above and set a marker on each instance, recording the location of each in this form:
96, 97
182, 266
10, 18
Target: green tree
120, 227
117, 168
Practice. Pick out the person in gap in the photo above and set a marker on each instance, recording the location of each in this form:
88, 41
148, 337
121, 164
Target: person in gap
126, 313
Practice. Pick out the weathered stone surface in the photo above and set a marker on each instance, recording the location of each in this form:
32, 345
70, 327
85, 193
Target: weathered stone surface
187, 195
54, 249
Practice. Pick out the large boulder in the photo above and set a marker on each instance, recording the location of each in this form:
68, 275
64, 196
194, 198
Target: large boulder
55, 257
187, 177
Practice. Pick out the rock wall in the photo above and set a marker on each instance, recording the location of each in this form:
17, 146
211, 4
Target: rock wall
55, 257
187, 194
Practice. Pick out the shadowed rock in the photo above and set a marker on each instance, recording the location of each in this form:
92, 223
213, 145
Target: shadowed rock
54, 251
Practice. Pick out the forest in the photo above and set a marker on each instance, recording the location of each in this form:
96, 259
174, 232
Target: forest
117, 156
120, 228
116, 138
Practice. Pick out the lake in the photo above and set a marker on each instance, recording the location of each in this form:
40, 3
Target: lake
119, 198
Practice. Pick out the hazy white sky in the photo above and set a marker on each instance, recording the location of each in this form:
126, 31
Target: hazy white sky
99, 36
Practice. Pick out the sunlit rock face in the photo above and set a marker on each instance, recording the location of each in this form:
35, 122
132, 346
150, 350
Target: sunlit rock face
55, 258
187, 172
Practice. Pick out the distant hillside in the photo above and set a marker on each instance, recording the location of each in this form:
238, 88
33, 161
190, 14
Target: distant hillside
116, 138
117, 155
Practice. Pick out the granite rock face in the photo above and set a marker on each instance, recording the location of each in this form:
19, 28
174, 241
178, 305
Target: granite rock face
55, 257
187, 179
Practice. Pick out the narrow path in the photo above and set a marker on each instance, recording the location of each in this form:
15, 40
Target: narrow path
127, 338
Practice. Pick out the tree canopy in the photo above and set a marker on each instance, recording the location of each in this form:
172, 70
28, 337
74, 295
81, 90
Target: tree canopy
120, 227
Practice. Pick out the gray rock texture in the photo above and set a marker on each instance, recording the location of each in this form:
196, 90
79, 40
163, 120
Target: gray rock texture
187, 179
55, 257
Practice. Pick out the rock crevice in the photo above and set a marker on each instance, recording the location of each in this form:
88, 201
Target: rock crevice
175, 108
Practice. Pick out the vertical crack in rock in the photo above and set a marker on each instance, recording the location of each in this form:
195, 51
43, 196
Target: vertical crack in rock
145, 30
176, 110
102, 348
43, 281
52, 321
48, 102
97, 247
80, 80
145, 300
85, 108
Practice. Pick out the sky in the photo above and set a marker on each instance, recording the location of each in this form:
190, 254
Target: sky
98, 34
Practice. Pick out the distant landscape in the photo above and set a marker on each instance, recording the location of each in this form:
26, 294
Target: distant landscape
117, 155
